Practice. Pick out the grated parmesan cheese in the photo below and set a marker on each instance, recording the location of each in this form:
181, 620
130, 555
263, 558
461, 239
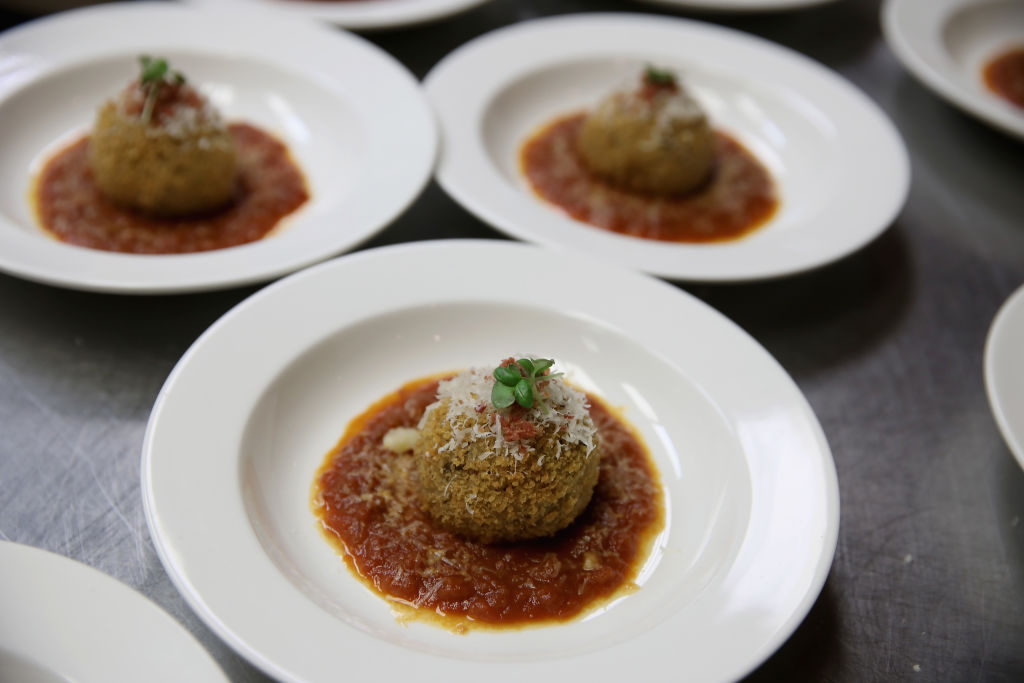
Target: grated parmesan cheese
184, 118
467, 395
670, 113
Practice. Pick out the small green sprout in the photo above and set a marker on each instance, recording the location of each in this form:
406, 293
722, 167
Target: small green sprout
155, 73
517, 383
660, 78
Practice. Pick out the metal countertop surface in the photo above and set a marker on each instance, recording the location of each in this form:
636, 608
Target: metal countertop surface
886, 344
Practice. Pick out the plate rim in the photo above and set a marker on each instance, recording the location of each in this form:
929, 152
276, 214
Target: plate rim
1010, 311
170, 556
907, 52
688, 262
40, 258
384, 16
66, 576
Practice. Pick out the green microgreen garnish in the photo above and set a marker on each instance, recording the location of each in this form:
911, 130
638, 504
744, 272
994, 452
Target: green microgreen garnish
659, 77
155, 73
518, 383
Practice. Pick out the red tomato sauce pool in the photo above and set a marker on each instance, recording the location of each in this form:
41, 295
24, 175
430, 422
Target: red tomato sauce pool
365, 497
739, 197
71, 207
1004, 75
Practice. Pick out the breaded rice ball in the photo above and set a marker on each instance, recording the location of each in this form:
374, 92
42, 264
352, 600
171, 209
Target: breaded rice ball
181, 161
654, 139
507, 475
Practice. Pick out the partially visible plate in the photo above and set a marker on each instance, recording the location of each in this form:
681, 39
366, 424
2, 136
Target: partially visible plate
1004, 372
65, 621
740, 5
353, 118
946, 43
839, 164
248, 414
355, 14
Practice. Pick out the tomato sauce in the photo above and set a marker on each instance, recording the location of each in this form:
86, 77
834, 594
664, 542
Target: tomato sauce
72, 208
365, 497
1004, 75
739, 198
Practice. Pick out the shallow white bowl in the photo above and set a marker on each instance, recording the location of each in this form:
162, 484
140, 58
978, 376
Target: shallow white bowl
65, 621
363, 135
354, 14
251, 410
1004, 379
840, 166
946, 43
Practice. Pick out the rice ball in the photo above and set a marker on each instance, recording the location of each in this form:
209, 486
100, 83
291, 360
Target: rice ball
654, 139
505, 475
182, 161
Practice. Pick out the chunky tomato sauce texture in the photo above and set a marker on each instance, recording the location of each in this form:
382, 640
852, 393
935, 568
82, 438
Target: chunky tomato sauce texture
739, 198
365, 497
72, 208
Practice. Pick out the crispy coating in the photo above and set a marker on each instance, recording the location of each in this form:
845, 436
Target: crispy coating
183, 164
491, 496
653, 142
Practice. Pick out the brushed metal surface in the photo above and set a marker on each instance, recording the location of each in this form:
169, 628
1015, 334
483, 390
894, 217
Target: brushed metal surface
928, 580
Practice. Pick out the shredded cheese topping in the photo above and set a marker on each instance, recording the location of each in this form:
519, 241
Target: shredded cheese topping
180, 120
670, 112
471, 416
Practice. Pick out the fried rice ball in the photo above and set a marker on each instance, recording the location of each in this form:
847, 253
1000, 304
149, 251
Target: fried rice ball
654, 139
180, 162
508, 475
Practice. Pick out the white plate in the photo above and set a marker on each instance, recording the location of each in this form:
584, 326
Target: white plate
946, 43
840, 166
740, 5
355, 14
363, 135
65, 621
1004, 378
250, 411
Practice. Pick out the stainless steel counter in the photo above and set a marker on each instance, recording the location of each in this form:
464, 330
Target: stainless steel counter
928, 579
